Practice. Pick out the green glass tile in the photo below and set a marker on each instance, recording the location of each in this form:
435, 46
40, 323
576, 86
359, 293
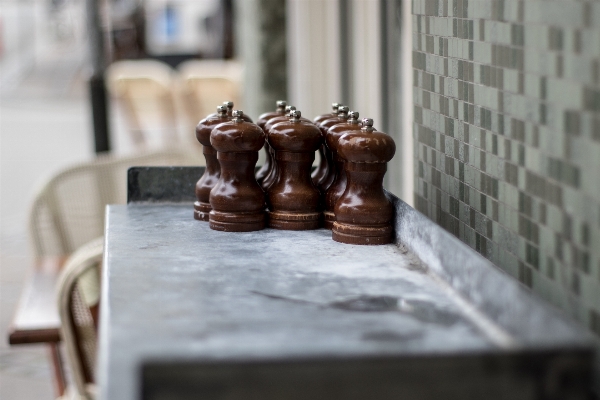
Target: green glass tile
507, 136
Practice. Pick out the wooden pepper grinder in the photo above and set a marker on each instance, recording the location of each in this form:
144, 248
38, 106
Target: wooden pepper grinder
237, 200
341, 117
292, 199
338, 186
262, 120
363, 213
321, 171
213, 169
272, 176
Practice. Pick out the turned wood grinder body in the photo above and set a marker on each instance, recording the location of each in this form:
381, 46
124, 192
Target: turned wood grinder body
272, 174
292, 199
341, 117
363, 213
237, 200
262, 120
213, 170
321, 171
338, 186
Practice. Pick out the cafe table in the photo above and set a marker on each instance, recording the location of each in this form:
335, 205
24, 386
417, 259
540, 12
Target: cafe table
188, 312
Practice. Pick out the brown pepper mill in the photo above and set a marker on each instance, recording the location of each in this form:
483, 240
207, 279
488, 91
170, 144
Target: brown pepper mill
363, 213
237, 200
338, 186
262, 120
213, 169
293, 200
272, 173
272, 176
341, 117
321, 171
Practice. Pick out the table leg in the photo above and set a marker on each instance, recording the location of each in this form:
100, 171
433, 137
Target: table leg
58, 368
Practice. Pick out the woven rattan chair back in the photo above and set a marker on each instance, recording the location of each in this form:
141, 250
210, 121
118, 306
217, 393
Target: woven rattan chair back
78, 295
68, 211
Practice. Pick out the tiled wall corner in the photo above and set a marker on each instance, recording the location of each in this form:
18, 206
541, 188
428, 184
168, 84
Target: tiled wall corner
507, 137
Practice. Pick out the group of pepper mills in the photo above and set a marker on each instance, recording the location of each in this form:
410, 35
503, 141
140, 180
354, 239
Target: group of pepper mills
344, 193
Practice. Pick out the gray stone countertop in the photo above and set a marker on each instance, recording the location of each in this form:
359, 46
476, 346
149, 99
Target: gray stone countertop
175, 289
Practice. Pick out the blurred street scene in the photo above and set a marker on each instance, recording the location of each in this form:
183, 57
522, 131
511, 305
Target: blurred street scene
44, 126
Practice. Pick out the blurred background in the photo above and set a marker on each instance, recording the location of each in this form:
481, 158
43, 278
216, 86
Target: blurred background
120, 79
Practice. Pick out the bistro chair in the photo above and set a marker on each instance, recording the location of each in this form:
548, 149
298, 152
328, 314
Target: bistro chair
78, 294
69, 209
205, 84
144, 92
67, 213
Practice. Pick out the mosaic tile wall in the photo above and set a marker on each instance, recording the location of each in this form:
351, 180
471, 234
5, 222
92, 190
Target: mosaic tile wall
507, 137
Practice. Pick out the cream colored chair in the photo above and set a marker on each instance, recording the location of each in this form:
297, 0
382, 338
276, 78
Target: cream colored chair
206, 84
67, 213
78, 295
66, 216
145, 93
